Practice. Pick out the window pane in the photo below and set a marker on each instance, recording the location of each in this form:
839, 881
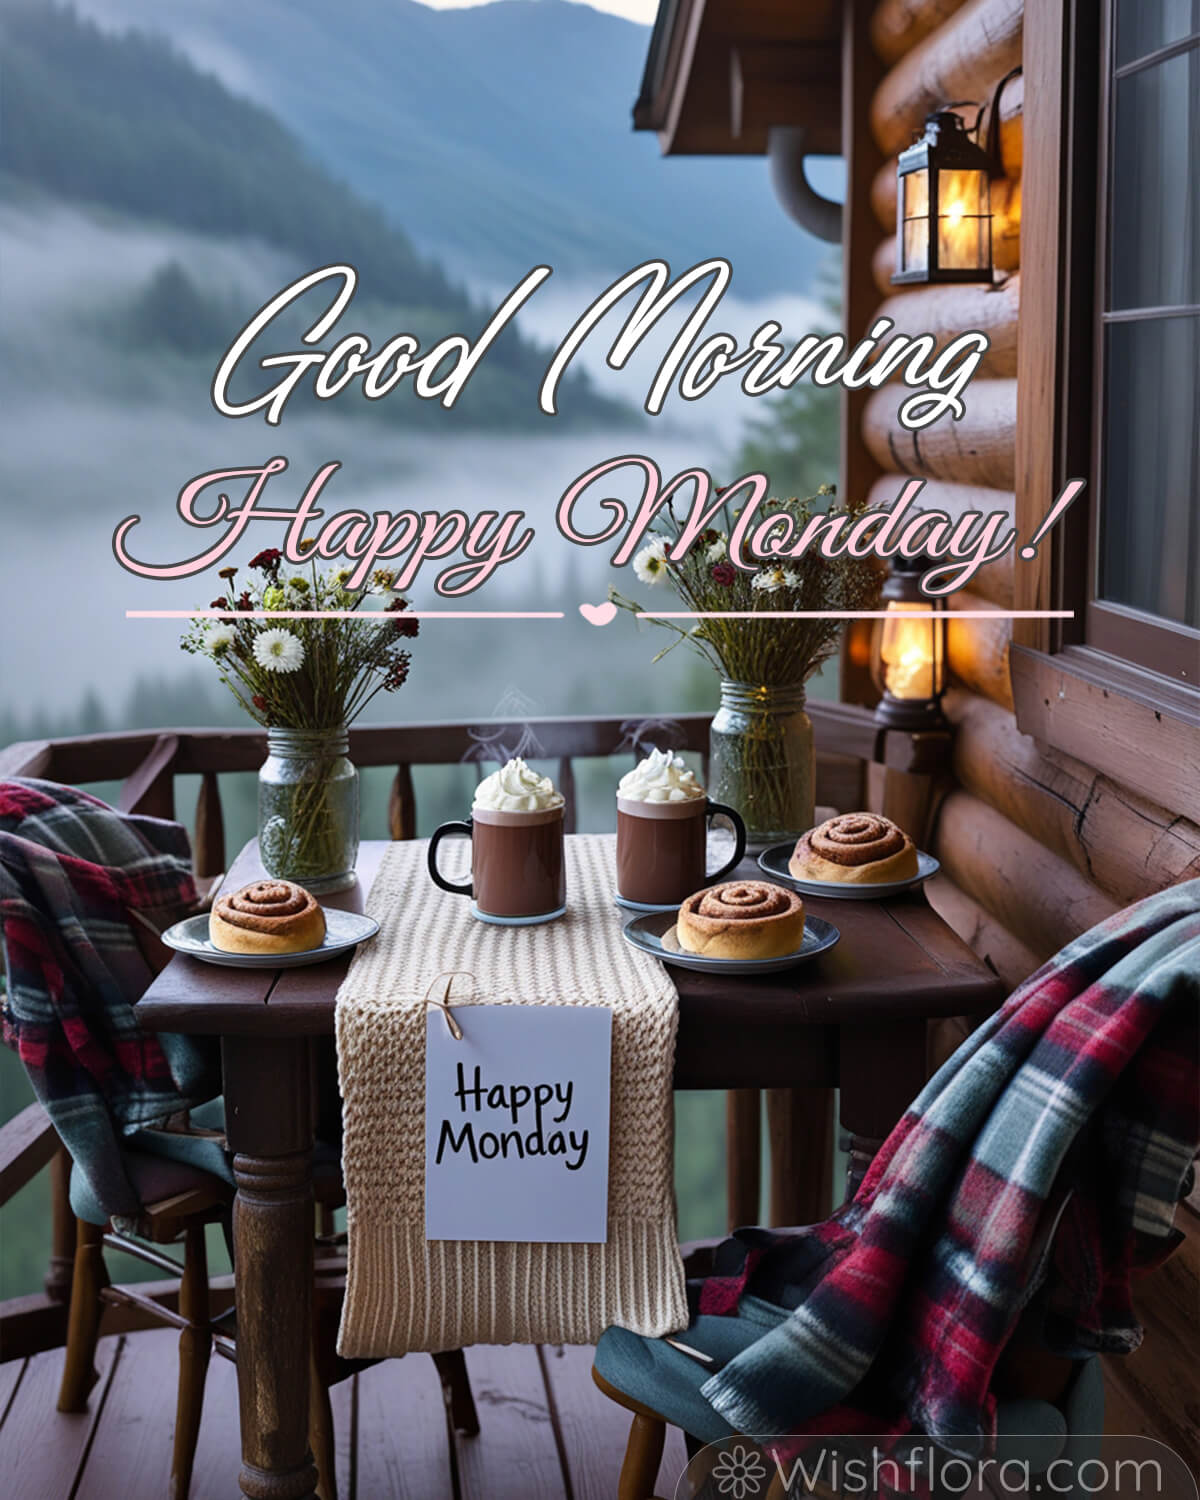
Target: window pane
1143, 26
1150, 531
1155, 186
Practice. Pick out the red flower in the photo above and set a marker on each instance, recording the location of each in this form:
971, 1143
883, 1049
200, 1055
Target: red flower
268, 560
259, 702
409, 628
398, 673
724, 574
245, 602
221, 603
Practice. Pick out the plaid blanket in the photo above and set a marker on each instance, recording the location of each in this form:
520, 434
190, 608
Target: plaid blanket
70, 869
908, 1295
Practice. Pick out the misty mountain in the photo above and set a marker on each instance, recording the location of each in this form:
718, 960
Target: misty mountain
499, 136
124, 122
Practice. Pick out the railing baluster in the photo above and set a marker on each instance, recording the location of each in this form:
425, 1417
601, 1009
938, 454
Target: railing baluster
566, 785
62, 1230
209, 853
402, 805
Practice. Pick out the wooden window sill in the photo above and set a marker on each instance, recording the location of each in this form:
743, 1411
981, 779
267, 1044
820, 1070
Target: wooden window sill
1141, 729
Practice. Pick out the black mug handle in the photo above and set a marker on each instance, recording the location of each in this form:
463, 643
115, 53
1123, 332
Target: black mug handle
438, 877
739, 839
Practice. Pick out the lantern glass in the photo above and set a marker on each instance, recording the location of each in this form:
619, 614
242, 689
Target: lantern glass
914, 219
910, 661
964, 239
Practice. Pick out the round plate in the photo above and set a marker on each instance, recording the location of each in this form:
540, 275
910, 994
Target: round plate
656, 935
774, 862
343, 930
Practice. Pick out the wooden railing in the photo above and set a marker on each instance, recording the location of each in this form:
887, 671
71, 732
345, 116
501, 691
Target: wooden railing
146, 763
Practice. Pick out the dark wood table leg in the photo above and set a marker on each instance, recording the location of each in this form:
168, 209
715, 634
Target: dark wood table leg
268, 1107
882, 1070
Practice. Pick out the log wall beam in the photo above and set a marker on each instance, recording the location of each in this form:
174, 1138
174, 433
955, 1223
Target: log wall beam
963, 59
1027, 888
946, 311
898, 25
1129, 846
977, 449
977, 651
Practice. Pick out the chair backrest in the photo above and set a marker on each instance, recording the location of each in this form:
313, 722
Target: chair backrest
71, 869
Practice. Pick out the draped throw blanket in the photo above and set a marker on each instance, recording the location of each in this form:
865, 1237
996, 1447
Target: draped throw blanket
905, 1299
71, 870
405, 1293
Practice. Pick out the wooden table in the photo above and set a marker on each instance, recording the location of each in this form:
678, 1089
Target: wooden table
853, 1018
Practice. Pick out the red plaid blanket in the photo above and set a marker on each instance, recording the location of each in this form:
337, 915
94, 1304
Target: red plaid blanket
70, 869
908, 1295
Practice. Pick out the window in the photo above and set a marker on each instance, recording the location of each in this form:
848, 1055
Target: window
1144, 602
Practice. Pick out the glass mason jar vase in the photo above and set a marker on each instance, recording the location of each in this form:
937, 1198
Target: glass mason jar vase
761, 760
308, 808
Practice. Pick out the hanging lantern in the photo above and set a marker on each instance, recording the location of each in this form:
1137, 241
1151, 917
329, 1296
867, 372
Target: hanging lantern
908, 658
943, 213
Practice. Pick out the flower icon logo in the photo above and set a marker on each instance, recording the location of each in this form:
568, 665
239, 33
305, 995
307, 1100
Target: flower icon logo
739, 1473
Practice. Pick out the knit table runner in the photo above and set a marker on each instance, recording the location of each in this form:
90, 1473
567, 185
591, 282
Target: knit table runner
405, 1293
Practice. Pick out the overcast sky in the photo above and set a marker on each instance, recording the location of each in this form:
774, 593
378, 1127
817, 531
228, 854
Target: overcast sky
632, 10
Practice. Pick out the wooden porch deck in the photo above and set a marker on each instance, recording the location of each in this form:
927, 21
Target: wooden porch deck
546, 1432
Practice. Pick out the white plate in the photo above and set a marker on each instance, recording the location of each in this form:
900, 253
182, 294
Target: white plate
344, 930
774, 862
656, 935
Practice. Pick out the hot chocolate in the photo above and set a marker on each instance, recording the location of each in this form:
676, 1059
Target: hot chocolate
662, 832
516, 832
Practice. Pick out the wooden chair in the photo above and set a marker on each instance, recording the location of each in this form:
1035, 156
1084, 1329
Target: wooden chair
184, 1216
1026, 1371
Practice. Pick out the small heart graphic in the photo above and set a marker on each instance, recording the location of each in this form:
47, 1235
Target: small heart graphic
599, 614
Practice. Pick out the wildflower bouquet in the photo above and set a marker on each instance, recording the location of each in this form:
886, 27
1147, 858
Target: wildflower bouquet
306, 680
759, 761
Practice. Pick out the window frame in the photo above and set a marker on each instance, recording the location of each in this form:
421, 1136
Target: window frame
1160, 645
1068, 691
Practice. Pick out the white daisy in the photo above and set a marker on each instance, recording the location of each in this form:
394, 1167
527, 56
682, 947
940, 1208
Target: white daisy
716, 550
278, 651
650, 565
219, 639
771, 579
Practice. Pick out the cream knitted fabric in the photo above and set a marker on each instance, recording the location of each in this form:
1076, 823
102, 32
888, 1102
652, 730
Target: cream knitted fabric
405, 1293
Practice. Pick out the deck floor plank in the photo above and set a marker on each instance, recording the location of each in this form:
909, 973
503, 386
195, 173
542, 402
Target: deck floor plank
131, 1451
10, 1379
41, 1449
595, 1430
403, 1437
515, 1456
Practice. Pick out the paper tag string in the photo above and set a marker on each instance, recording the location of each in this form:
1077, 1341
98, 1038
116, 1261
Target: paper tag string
449, 975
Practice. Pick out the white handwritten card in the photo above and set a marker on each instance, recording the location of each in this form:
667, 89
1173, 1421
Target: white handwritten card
516, 1124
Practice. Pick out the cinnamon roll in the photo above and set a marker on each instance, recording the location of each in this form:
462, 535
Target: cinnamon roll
270, 916
742, 919
859, 848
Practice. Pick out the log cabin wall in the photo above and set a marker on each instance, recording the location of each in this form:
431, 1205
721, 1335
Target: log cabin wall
1035, 846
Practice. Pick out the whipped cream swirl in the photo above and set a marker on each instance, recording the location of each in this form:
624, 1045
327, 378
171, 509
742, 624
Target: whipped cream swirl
661, 777
517, 788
